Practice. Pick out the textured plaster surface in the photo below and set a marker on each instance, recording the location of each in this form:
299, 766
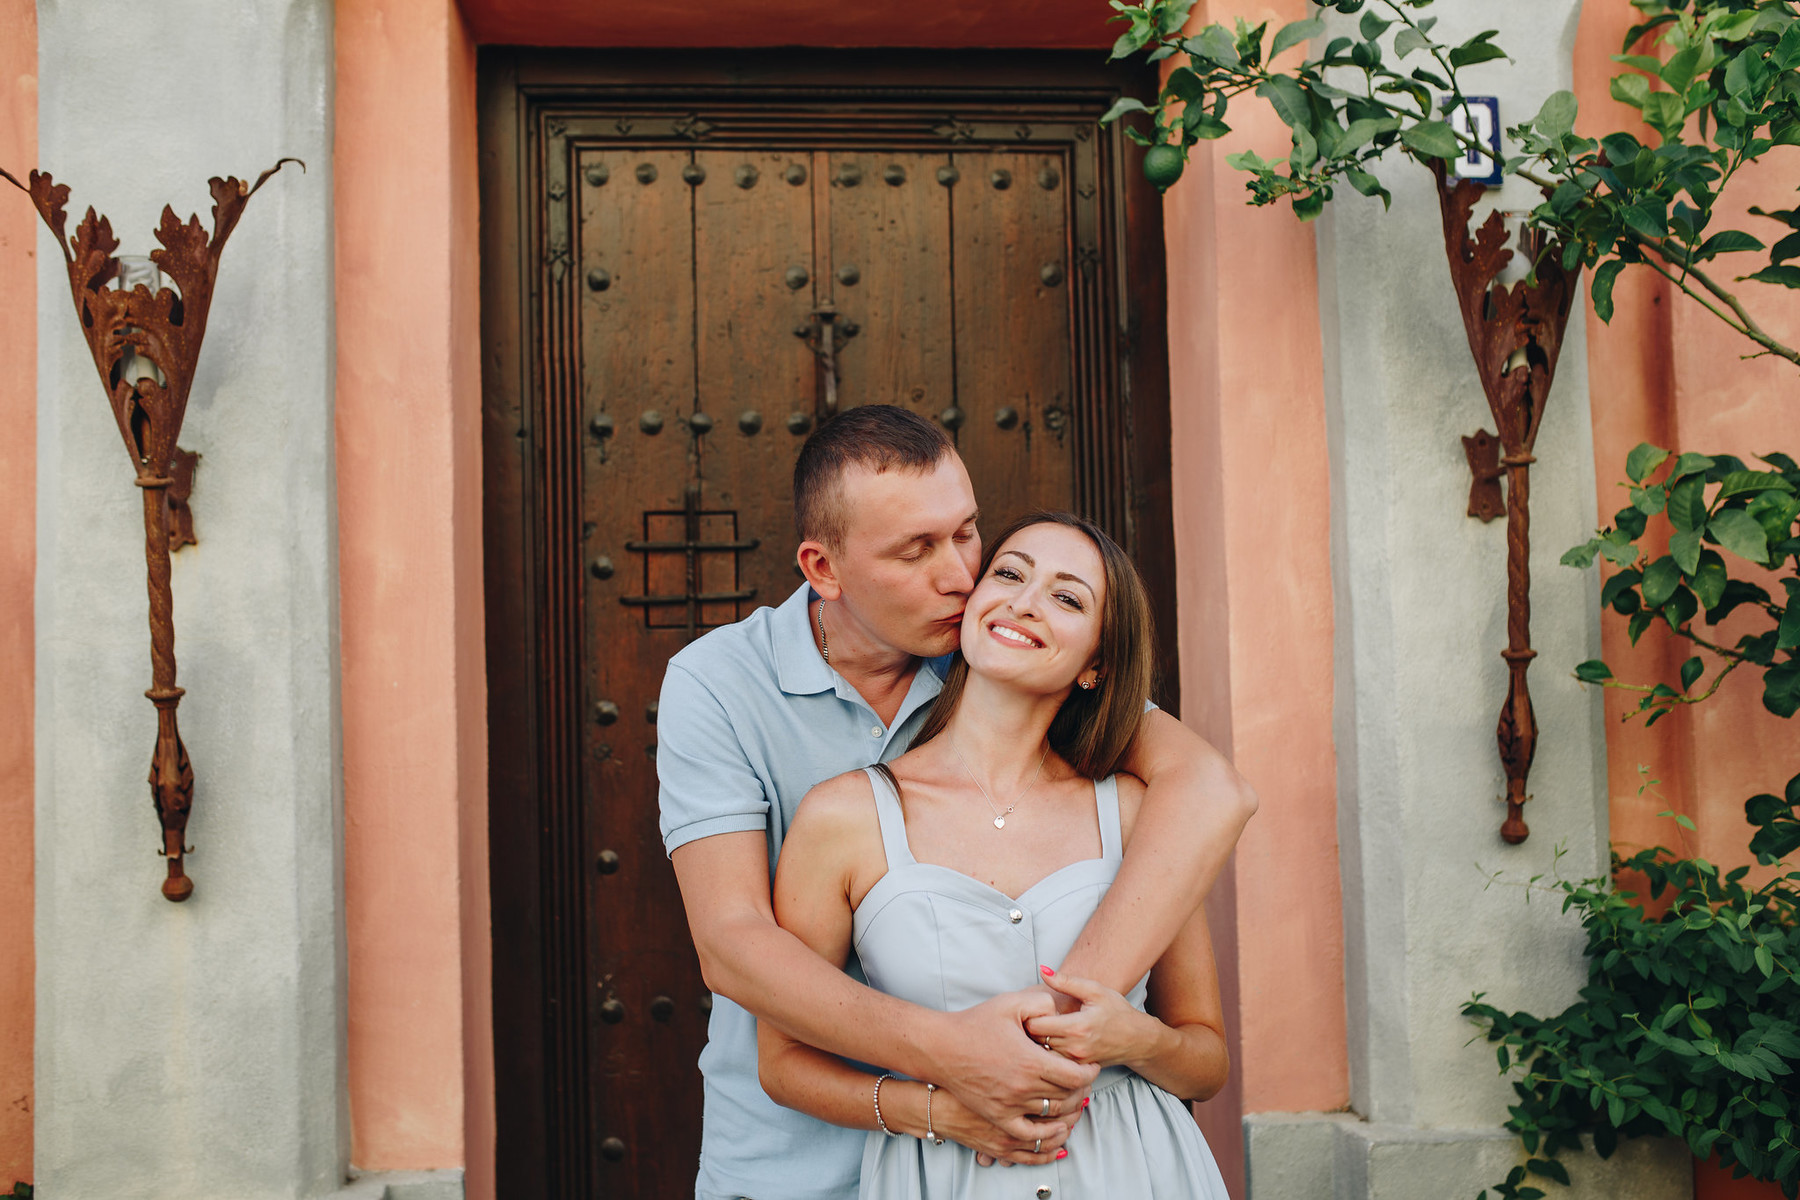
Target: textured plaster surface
1421, 609
1334, 1156
18, 466
408, 486
1255, 617
192, 1050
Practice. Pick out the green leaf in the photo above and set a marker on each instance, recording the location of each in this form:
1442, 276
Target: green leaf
1690, 671
1643, 459
1617, 553
1217, 44
1679, 71
1476, 50
1409, 40
1549, 1168
1248, 160
1687, 504
1368, 185
1765, 962
1727, 241
1372, 26
1661, 578
1557, 115
1434, 139
1630, 89
1740, 482
1186, 85
1295, 34
1646, 221
1602, 287
1787, 634
1781, 689
1360, 133
1739, 532
1203, 125
1684, 548
1308, 206
1593, 671
1121, 106
1689, 464
1581, 557
1785, 276
1711, 582
1288, 100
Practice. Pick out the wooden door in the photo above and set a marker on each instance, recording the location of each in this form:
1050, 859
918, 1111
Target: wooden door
701, 288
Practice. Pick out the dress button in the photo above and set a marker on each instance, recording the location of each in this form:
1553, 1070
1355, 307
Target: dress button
874, 731
1015, 916
1043, 1192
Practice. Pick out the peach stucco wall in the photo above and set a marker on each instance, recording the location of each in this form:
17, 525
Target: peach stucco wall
407, 551
1668, 372
18, 542
1247, 396
409, 519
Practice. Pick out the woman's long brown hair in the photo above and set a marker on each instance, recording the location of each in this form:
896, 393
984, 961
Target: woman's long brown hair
1093, 729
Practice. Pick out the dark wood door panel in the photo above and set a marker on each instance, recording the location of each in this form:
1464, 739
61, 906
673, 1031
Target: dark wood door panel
658, 281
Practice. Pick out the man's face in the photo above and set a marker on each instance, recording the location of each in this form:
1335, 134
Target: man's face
909, 556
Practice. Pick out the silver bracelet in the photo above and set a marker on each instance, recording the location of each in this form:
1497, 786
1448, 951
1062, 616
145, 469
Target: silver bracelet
878, 1120
930, 1134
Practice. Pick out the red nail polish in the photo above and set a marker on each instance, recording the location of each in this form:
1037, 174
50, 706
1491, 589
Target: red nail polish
1063, 1153
1046, 970
1084, 1101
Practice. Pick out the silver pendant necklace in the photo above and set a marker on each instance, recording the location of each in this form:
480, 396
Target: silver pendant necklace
999, 816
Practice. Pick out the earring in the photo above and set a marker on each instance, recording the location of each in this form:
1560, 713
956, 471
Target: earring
1087, 685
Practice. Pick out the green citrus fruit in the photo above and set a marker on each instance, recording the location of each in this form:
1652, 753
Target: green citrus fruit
1163, 165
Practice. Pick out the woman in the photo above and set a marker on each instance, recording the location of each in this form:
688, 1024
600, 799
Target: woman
968, 868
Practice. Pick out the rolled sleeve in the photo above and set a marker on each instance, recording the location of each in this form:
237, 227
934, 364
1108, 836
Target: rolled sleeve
706, 785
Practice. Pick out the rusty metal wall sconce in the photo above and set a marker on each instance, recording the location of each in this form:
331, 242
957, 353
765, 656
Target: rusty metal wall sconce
1515, 334
145, 340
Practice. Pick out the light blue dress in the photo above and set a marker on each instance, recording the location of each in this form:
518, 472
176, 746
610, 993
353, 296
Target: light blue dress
939, 938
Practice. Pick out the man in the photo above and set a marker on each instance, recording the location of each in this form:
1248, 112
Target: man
836, 678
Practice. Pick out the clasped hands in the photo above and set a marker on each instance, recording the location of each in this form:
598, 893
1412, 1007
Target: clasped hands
1022, 1063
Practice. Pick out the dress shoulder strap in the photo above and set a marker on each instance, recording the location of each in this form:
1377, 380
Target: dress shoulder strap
1106, 799
893, 821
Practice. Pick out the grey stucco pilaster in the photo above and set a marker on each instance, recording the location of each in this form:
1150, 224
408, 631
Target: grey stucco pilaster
192, 1050
1421, 611
1420, 599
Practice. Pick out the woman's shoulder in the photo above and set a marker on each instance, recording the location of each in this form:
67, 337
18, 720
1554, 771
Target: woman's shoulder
842, 804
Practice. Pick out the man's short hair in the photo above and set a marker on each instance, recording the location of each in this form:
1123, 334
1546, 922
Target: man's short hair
879, 437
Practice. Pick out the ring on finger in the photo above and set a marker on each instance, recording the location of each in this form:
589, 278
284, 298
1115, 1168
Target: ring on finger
1044, 1110
1037, 1147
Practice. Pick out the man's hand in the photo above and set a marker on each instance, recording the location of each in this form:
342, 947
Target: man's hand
985, 1057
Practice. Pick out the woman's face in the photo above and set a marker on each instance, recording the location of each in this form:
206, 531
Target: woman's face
1034, 619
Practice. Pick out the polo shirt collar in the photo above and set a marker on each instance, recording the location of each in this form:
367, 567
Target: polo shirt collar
798, 667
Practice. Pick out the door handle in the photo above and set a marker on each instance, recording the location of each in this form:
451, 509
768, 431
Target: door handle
827, 335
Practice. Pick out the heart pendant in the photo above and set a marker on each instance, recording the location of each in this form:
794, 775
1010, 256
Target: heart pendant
999, 822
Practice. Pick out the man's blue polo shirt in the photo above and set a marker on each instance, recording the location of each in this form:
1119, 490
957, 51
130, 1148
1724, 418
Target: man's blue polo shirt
750, 719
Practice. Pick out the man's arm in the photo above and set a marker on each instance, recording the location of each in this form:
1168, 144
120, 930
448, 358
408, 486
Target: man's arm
981, 1053
1195, 809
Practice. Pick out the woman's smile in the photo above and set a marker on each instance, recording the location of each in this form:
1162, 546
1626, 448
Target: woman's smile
1010, 634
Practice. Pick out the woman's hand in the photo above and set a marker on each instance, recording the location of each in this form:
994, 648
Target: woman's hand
952, 1119
1103, 1031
